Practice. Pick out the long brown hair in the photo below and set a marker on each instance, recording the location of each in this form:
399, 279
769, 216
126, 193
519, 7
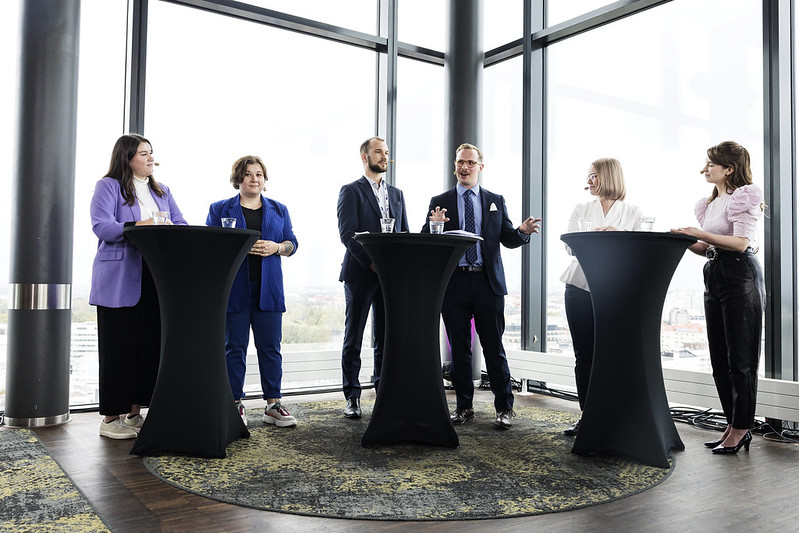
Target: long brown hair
730, 154
124, 150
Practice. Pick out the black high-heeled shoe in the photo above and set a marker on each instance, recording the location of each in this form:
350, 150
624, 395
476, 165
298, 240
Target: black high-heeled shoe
728, 450
714, 443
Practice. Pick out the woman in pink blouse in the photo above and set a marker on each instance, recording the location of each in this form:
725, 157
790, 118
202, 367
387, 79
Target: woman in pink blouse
734, 289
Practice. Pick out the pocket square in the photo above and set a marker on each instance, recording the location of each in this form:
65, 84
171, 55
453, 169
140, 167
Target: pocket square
492, 207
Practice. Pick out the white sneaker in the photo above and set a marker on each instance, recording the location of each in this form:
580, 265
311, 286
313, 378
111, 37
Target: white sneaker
242, 412
135, 422
278, 416
116, 429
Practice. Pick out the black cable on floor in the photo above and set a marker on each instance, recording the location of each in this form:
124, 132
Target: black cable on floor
702, 418
715, 420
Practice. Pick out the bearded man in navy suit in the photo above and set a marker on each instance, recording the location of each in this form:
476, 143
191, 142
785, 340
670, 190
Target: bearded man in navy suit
477, 287
361, 205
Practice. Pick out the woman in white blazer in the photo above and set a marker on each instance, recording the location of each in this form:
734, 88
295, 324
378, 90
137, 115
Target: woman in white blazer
607, 212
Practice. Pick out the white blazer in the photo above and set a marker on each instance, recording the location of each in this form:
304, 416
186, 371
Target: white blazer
620, 215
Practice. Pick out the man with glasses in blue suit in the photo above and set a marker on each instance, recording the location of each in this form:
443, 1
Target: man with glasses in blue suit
477, 288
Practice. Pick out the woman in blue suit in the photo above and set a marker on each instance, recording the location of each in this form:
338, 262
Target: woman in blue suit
256, 298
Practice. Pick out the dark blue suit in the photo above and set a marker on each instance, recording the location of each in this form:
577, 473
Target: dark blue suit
358, 211
255, 306
480, 295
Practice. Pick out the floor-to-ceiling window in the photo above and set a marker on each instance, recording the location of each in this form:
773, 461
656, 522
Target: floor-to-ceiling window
101, 91
502, 150
419, 158
302, 104
224, 89
101, 106
654, 91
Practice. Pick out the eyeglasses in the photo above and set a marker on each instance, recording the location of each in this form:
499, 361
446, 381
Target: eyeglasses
462, 163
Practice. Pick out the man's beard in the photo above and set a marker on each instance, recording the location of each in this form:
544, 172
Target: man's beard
375, 167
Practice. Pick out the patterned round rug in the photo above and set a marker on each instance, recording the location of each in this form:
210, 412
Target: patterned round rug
35, 493
319, 468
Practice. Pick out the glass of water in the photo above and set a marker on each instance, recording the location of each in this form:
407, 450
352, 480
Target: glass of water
387, 225
647, 223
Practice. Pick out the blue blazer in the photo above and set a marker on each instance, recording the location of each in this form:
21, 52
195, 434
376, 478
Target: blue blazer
358, 210
496, 229
275, 226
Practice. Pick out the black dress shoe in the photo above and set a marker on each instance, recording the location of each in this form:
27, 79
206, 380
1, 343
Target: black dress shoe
504, 418
462, 415
713, 443
353, 409
572, 430
729, 450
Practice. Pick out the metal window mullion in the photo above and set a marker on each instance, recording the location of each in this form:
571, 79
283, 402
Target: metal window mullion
593, 19
285, 21
136, 66
386, 86
544, 36
780, 191
533, 184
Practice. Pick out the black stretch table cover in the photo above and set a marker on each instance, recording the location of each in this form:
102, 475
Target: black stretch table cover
626, 410
193, 267
414, 270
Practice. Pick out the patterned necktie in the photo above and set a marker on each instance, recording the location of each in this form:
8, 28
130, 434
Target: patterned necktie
468, 219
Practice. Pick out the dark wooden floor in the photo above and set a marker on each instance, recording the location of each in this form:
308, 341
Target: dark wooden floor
756, 491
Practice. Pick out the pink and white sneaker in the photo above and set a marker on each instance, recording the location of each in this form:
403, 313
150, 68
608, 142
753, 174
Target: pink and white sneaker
278, 416
242, 412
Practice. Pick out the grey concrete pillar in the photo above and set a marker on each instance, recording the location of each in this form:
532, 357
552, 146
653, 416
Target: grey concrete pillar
463, 72
40, 284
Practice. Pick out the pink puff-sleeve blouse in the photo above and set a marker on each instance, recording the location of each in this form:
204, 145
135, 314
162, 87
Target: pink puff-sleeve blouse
734, 214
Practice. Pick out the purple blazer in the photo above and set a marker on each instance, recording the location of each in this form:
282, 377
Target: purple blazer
117, 270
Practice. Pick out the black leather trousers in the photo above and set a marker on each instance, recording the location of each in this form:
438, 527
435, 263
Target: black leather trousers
734, 301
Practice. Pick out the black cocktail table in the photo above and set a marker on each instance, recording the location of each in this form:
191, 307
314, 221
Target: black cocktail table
626, 410
414, 270
193, 267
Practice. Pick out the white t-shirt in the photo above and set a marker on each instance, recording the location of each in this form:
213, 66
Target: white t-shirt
620, 215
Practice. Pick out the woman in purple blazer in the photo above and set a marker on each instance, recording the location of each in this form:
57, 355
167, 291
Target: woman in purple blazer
128, 317
256, 298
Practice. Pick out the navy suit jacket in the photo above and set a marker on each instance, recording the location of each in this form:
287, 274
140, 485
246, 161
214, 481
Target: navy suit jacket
496, 229
358, 211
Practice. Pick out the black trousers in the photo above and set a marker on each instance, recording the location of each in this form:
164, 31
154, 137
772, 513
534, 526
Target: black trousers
469, 295
734, 302
580, 316
361, 297
129, 349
